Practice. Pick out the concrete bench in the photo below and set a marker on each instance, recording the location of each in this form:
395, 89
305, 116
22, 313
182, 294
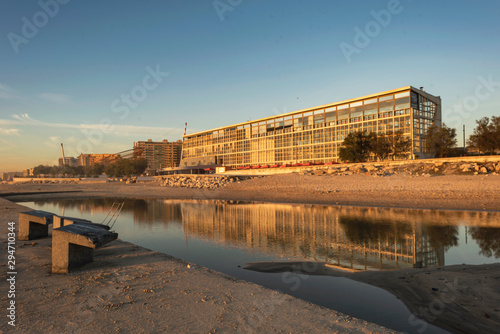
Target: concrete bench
60, 221
34, 224
73, 245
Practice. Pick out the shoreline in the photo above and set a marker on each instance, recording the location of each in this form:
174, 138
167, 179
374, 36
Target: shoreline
445, 192
473, 304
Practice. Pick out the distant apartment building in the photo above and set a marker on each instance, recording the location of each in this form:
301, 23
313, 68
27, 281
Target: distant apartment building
28, 172
159, 155
315, 135
87, 160
68, 161
8, 176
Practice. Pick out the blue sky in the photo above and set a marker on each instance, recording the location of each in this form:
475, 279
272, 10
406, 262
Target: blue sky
68, 80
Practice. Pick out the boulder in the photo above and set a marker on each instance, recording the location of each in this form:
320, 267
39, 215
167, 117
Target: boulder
370, 168
319, 172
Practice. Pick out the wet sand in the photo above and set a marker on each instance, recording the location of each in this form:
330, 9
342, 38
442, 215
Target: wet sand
134, 289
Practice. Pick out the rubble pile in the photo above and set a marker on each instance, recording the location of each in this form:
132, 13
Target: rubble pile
198, 182
425, 169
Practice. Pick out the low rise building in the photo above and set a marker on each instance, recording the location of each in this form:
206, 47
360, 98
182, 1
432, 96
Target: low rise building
315, 135
86, 160
68, 161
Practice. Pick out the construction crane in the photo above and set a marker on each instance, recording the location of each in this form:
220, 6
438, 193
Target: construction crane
182, 147
63, 158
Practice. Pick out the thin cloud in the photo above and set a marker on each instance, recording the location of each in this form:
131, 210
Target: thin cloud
117, 129
55, 98
9, 132
24, 118
7, 93
53, 141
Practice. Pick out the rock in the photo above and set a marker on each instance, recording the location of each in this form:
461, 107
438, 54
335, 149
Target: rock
361, 170
318, 172
370, 168
483, 170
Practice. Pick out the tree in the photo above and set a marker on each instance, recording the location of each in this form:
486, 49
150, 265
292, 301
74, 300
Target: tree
440, 141
356, 147
486, 136
140, 165
381, 146
40, 169
400, 144
95, 170
127, 167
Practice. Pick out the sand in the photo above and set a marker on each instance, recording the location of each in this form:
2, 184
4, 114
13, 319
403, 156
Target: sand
452, 192
131, 289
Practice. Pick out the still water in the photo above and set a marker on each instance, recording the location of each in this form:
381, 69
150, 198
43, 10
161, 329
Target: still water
225, 236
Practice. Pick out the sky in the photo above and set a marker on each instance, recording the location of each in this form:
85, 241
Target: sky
101, 75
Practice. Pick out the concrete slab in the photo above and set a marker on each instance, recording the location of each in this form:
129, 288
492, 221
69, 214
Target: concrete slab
34, 224
60, 221
73, 245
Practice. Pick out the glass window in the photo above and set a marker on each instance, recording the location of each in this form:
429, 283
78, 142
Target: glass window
330, 109
370, 101
319, 118
385, 98
414, 100
371, 109
402, 103
400, 95
385, 106
356, 104
331, 116
357, 111
344, 106
343, 114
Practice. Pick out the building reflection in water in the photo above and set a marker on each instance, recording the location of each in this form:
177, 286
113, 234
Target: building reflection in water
346, 237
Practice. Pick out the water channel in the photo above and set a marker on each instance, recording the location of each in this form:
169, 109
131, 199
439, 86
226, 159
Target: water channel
225, 236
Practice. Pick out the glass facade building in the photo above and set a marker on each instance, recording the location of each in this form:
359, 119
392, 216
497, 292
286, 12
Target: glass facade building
316, 134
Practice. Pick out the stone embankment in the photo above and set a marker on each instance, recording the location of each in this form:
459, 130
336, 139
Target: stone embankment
44, 180
425, 169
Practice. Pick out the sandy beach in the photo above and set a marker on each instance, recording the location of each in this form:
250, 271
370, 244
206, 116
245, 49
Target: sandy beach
131, 289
